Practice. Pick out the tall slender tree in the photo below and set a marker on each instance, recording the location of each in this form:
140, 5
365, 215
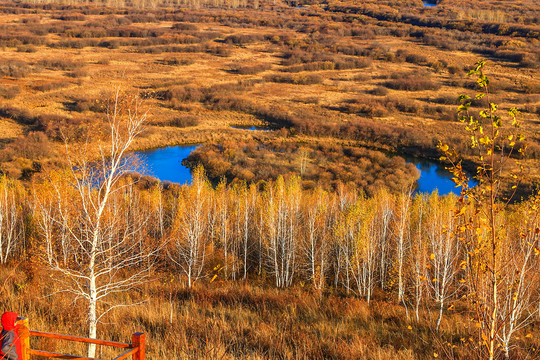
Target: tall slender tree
98, 240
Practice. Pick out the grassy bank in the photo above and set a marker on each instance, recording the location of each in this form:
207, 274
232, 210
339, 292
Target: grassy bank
222, 320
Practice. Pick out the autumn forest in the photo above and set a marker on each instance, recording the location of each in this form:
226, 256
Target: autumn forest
300, 232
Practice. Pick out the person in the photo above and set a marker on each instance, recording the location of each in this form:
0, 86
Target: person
11, 343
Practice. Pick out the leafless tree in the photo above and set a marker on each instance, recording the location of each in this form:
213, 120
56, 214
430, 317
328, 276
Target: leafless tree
189, 235
92, 196
314, 243
519, 295
401, 235
445, 254
11, 224
282, 220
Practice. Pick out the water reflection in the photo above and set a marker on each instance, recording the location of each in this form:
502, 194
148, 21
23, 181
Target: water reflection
165, 164
434, 176
251, 127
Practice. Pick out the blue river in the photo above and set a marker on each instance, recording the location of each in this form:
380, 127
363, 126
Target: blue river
165, 164
434, 176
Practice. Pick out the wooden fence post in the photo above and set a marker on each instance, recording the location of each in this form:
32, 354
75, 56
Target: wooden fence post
24, 335
138, 340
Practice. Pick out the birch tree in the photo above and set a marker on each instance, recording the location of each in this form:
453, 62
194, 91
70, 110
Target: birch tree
245, 214
361, 226
444, 251
189, 237
496, 139
11, 221
401, 223
314, 240
99, 243
283, 218
419, 253
224, 222
521, 289
381, 231
341, 249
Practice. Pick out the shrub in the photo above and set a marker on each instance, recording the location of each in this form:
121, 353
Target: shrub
250, 69
14, 68
531, 88
313, 66
453, 69
530, 61
184, 121
297, 79
9, 92
446, 100
379, 91
352, 64
181, 93
171, 61
33, 146
22, 116
186, 61
74, 43
222, 51
83, 104
31, 20
110, 44
78, 73
104, 61
49, 86
142, 18
57, 127
69, 16
416, 59
26, 48
61, 64
414, 81
242, 39
184, 26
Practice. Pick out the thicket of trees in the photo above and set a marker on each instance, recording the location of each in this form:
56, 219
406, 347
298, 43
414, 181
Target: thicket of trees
409, 248
322, 164
100, 230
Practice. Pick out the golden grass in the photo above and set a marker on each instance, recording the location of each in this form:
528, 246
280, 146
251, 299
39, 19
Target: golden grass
10, 130
225, 320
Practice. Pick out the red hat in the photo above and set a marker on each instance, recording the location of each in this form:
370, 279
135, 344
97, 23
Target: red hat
8, 320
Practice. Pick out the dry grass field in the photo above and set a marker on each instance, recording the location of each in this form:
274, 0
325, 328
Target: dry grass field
225, 320
341, 73
345, 88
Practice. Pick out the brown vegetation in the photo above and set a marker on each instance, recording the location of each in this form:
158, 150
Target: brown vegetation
394, 258
358, 73
337, 82
321, 165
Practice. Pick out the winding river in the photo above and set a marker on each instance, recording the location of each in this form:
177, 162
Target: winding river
434, 176
165, 164
251, 127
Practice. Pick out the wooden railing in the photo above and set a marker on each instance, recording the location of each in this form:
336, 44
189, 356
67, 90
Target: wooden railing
136, 349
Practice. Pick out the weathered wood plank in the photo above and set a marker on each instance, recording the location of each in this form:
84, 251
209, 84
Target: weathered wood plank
126, 354
24, 334
56, 355
139, 341
80, 339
